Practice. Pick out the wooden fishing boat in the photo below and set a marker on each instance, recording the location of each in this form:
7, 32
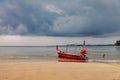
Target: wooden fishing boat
62, 54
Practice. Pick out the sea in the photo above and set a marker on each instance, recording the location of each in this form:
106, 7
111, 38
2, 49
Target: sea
110, 54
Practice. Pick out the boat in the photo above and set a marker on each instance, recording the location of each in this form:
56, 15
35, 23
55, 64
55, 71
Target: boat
65, 55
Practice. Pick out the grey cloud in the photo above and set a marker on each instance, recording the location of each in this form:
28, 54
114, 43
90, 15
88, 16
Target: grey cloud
36, 20
60, 17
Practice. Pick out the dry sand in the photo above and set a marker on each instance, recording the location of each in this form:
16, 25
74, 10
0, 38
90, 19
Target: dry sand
58, 71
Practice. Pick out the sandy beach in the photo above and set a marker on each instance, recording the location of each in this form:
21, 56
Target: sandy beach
58, 71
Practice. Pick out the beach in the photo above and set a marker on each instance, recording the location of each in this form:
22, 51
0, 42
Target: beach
53, 70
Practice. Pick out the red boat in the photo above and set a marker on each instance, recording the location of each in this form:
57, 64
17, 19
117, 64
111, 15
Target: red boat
62, 54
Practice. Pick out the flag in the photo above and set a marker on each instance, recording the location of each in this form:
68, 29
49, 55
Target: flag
84, 43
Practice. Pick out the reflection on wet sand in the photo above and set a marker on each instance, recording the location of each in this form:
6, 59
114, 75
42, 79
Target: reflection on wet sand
70, 60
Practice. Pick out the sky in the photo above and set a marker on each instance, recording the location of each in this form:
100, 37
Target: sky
51, 22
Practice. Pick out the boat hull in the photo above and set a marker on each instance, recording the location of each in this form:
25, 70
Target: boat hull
70, 56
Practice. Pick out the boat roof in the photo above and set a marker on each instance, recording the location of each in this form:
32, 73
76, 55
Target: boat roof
74, 45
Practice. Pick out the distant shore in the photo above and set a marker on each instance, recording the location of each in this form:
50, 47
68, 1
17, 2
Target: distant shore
65, 45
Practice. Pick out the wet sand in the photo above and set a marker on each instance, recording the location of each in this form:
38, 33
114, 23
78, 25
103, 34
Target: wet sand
58, 71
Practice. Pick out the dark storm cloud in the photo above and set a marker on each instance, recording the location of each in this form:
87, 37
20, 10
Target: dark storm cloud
60, 17
24, 18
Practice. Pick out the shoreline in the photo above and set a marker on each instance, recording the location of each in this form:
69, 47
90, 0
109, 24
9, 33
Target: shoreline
48, 59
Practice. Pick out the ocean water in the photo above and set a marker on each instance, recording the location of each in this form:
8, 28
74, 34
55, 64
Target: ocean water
16, 53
